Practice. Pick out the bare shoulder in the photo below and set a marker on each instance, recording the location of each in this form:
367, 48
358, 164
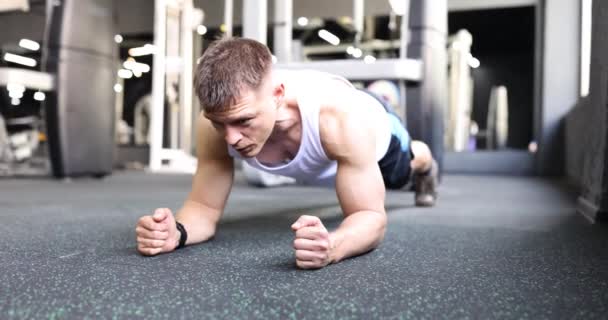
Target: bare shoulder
345, 132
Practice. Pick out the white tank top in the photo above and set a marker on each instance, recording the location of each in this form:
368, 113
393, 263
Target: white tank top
311, 165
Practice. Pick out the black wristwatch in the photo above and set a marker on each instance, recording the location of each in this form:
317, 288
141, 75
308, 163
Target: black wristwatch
183, 235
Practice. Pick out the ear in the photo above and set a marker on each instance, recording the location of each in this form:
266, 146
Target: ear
278, 94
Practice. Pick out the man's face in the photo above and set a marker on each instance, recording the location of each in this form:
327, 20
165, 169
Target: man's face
247, 125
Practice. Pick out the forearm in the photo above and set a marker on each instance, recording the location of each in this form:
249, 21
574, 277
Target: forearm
359, 232
198, 220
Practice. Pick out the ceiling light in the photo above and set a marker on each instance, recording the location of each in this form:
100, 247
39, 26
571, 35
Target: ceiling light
29, 62
135, 66
29, 44
473, 62
329, 37
125, 74
302, 21
142, 51
39, 96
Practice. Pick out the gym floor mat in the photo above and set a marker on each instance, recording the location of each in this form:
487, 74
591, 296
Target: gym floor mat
493, 247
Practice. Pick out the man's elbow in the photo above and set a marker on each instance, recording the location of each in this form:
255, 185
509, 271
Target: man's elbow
380, 228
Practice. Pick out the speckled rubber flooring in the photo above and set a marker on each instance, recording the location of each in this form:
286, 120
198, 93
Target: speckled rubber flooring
494, 247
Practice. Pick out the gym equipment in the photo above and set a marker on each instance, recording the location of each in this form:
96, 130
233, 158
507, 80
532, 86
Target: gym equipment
498, 118
19, 137
23, 144
427, 99
460, 129
255, 19
422, 64
5, 151
496, 133
80, 51
19, 147
173, 83
141, 120
458, 115
427, 94
395, 69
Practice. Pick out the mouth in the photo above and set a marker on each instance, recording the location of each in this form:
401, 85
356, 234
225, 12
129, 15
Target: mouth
245, 149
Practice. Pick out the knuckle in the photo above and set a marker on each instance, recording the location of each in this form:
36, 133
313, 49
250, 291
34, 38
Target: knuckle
300, 254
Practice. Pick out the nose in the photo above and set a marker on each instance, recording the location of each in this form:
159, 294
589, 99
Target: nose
232, 135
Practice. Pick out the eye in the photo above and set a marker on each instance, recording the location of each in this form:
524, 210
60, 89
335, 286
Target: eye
243, 122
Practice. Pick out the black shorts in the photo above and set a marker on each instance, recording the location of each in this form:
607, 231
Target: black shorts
395, 165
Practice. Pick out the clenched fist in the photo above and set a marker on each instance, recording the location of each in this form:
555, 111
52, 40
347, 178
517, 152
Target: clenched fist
157, 233
312, 244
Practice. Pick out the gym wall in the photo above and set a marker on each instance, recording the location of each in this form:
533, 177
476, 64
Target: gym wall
587, 129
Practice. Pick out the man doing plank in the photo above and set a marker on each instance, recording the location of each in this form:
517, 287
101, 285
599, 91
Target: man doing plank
309, 125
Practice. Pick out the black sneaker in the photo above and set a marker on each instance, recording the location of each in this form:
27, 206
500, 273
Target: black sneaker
425, 185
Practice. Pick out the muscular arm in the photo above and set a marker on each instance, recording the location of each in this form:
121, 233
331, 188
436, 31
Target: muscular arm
350, 139
211, 185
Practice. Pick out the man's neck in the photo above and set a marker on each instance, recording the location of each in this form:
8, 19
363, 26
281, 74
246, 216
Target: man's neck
288, 120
